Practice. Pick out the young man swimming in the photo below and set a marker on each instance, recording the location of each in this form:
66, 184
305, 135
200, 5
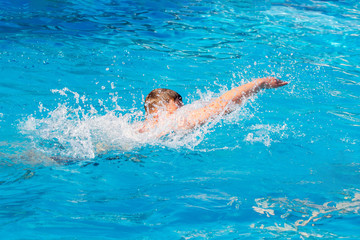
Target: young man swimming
162, 106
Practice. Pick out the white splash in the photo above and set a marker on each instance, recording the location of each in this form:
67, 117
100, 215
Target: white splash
82, 132
77, 129
266, 133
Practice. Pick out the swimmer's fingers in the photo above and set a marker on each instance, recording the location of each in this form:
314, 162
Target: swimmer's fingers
281, 83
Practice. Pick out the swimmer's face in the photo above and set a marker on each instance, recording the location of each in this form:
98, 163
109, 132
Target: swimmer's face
172, 106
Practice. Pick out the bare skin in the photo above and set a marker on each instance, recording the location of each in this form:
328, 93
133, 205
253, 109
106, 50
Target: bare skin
220, 105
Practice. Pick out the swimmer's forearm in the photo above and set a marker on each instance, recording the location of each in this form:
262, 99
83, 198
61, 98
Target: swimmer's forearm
239, 94
236, 95
221, 104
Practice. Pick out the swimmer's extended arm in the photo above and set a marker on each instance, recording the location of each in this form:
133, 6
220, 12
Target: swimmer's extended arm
236, 95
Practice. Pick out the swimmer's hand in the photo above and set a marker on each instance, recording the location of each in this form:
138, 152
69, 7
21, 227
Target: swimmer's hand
271, 82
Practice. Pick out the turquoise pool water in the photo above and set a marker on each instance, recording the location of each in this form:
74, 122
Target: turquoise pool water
73, 78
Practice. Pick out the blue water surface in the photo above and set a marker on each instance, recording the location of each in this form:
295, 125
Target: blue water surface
73, 78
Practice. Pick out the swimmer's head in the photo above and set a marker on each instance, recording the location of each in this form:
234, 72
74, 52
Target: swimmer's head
162, 98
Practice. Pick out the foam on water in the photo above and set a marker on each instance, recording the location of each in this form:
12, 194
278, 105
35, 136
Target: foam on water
300, 216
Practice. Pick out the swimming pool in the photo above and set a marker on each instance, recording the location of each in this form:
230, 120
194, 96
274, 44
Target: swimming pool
73, 78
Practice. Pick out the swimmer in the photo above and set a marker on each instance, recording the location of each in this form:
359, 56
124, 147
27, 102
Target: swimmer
162, 105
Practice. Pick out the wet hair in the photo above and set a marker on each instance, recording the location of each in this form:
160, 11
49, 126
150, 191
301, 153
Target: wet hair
160, 97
